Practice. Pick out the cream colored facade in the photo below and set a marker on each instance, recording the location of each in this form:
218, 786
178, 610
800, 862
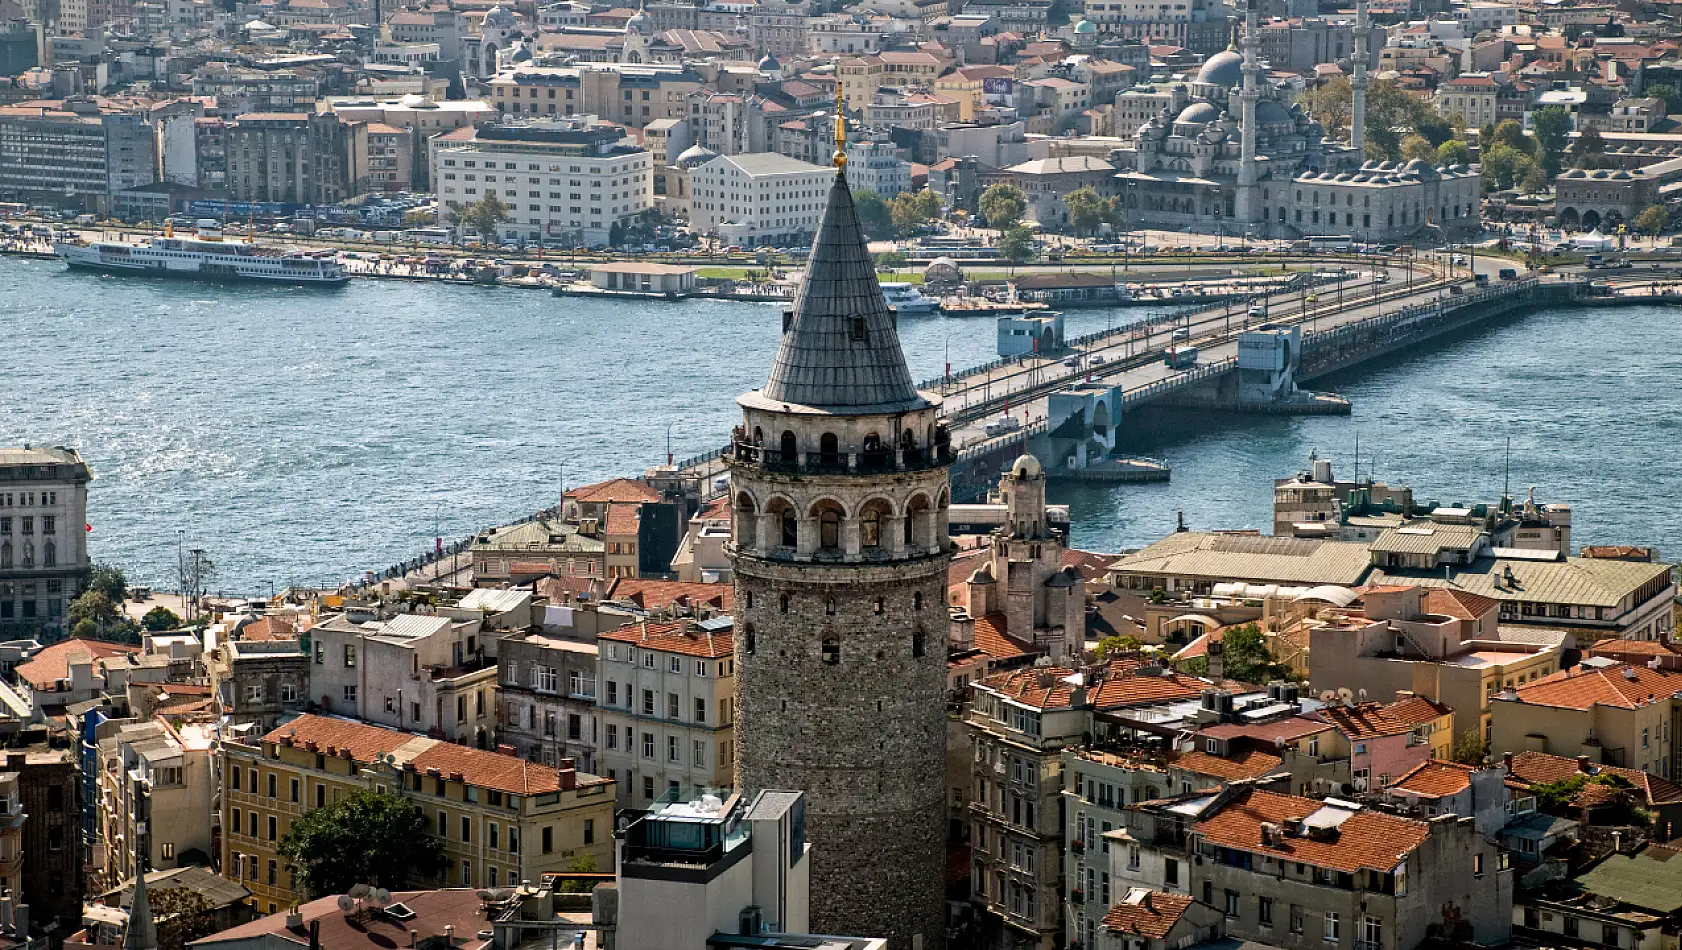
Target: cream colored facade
666, 700
156, 788
500, 819
1628, 718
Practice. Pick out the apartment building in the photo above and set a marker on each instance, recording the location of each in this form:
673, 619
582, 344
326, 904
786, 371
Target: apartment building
260, 681
1444, 645
157, 782
295, 157
238, 90
758, 199
667, 706
54, 862
501, 820
541, 546
567, 181
546, 694
1098, 786
632, 96
43, 507
1472, 96
861, 77
1613, 713
432, 673
1300, 873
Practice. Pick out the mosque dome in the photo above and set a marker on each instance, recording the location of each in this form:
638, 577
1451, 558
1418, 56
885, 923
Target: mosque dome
769, 64
498, 16
1198, 113
1269, 112
1025, 466
1224, 69
1086, 26
696, 154
640, 22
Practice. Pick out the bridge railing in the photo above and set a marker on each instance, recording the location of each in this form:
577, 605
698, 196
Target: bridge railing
1188, 378
989, 444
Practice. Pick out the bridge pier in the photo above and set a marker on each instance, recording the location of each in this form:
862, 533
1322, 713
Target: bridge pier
1264, 379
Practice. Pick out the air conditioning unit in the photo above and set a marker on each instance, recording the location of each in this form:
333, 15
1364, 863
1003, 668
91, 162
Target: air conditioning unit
752, 921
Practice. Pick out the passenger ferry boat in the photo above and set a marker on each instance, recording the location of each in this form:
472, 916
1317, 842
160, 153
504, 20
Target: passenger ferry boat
205, 257
907, 299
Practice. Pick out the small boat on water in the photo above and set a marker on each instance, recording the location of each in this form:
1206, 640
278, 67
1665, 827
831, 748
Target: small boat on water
907, 299
205, 256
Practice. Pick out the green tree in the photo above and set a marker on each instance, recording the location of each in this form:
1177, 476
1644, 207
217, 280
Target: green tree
1113, 646
1246, 658
182, 916
110, 579
1509, 133
160, 618
1088, 209
583, 864
1003, 206
1454, 152
873, 215
893, 259
1504, 166
1418, 146
928, 204
1331, 104
94, 606
1438, 129
485, 216
1589, 151
1670, 94
908, 212
1469, 748
84, 630
1552, 125
1535, 181
419, 219
366, 838
1653, 220
1017, 245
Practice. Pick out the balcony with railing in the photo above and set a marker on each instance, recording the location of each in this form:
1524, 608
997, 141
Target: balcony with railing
905, 456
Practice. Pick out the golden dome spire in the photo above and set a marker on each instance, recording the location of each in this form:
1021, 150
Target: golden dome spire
840, 156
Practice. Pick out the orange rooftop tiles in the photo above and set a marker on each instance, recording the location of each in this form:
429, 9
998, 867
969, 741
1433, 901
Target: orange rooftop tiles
675, 637
1366, 840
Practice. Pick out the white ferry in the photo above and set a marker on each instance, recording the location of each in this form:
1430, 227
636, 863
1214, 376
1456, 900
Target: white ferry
907, 299
205, 257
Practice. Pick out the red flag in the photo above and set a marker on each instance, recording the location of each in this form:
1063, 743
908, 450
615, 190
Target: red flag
87, 527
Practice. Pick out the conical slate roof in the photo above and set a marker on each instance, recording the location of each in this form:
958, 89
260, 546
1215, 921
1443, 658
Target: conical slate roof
141, 934
840, 350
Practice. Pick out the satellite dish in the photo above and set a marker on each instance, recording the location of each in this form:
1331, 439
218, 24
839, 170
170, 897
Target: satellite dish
359, 891
1327, 695
346, 902
1363, 694
1345, 693
381, 896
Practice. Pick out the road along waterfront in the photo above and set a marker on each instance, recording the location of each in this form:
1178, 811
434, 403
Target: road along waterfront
305, 437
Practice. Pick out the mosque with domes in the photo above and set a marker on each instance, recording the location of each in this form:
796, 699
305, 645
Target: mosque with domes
1229, 152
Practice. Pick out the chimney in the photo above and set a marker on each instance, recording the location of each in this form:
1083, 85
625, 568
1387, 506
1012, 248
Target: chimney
449, 935
1507, 762
1146, 900
1617, 841
1403, 694
315, 935
414, 938
1583, 763
568, 779
6, 912
1217, 662
20, 919
569, 763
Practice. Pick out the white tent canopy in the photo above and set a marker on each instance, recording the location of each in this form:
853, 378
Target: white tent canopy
1592, 241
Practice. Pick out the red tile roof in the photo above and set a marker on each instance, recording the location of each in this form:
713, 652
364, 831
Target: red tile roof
1119, 692
1364, 840
1622, 647
654, 594
1435, 778
43, 670
1460, 604
1040, 687
1280, 731
675, 637
1535, 768
992, 639
434, 910
1364, 721
614, 490
1623, 687
622, 519
1152, 916
503, 773
1417, 710
268, 628
365, 742
1091, 566
1250, 763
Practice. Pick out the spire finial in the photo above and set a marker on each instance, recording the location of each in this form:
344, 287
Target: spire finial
840, 156
1232, 44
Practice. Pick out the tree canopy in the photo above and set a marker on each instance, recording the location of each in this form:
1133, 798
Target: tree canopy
1089, 210
484, 216
110, 580
1003, 206
1552, 125
1670, 94
182, 916
1017, 245
367, 838
1454, 152
873, 214
911, 210
1653, 220
160, 618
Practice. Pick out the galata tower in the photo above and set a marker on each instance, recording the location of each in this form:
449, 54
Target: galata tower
839, 488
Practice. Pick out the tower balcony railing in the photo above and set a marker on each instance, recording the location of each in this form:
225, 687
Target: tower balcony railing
901, 459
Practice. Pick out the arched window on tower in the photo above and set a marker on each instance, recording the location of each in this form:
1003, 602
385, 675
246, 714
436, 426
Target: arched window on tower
917, 642
829, 450
917, 601
782, 603
871, 453
829, 527
789, 449
870, 526
829, 606
831, 649
748, 638
881, 605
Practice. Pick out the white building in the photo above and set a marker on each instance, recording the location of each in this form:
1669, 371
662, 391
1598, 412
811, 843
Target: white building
666, 701
876, 166
43, 547
155, 789
566, 181
759, 198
